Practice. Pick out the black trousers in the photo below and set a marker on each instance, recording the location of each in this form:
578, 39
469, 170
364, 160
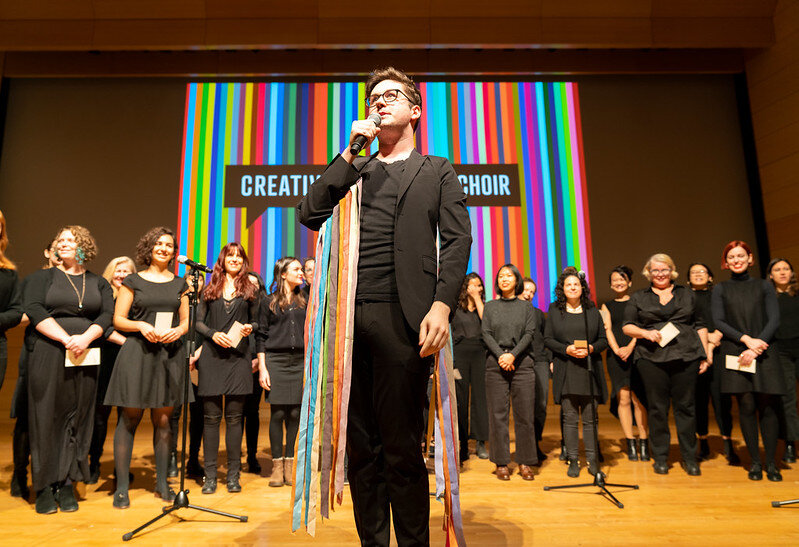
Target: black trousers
502, 387
760, 409
673, 382
384, 433
542, 376
789, 419
573, 406
470, 390
212, 414
708, 390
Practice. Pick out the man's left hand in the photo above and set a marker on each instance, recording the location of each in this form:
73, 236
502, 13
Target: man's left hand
434, 329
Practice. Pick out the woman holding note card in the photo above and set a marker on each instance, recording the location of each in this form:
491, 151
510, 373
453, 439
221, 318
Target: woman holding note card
670, 353
70, 308
746, 311
226, 316
153, 307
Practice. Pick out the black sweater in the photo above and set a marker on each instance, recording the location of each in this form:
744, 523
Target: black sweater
508, 326
281, 331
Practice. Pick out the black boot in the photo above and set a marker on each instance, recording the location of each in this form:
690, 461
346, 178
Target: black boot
729, 453
790, 452
632, 451
194, 469
643, 450
45, 501
704, 450
562, 456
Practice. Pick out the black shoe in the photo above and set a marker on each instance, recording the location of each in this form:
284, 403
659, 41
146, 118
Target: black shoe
45, 502
593, 468
661, 468
643, 450
790, 452
563, 457
574, 468
772, 473
253, 466
691, 468
172, 469
166, 494
19, 486
194, 469
704, 450
209, 485
232, 484
65, 497
121, 499
94, 474
729, 453
632, 450
756, 472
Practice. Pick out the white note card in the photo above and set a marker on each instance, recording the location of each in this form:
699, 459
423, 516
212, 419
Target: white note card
90, 357
668, 333
163, 321
235, 334
731, 362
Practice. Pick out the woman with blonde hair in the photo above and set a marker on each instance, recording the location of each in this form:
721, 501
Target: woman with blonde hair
670, 353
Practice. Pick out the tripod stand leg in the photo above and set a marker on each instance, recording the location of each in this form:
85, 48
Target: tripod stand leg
612, 498
561, 487
129, 535
242, 518
786, 502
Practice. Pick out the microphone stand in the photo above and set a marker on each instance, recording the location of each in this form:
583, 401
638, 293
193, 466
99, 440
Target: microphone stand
599, 477
182, 497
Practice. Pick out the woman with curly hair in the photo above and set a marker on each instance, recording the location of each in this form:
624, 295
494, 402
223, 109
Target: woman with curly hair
70, 308
469, 354
508, 330
565, 336
224, 366
670, 353
150, 367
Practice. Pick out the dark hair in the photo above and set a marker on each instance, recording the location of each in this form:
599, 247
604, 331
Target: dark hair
560, 296
391, 73
145, 246
519, 279
244, 286
707, 269
308, 259
279, 298
622, 270
793, 285
463, 297
729, 247
529, 280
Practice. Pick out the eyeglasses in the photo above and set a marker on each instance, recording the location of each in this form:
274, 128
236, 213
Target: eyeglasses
388, 96
666, 271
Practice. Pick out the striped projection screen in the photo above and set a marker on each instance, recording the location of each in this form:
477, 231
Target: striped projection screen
534, 125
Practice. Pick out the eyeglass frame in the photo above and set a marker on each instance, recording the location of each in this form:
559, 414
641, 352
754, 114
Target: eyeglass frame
370, 104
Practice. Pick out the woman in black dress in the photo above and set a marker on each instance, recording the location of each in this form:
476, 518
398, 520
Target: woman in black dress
469, 356
623, 374
10, 298
150, 367
225, 368
508, 326
565, 336
70, 308
786, 339
746, 311
280, 342
669, 372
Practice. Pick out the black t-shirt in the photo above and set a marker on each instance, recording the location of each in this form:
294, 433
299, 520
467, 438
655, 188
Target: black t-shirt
377, 281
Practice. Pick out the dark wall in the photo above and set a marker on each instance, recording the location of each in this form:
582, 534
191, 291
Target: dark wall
663, 159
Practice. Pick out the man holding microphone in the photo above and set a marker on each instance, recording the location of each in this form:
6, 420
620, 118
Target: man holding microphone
405, 294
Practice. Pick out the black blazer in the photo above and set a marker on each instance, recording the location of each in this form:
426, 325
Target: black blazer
429, 198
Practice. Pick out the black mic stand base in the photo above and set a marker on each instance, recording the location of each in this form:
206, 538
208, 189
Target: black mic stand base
781, 503
599, 482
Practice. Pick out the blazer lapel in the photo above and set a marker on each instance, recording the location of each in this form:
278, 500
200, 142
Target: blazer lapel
415, 161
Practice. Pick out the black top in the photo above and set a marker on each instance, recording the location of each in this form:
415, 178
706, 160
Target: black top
645, 311
744, 305
377, 281
219, 315
540, 352
48, 293
616, 310
10, 300
281, 331
151, 297
789, 318
466, 325
703, 310
508, 326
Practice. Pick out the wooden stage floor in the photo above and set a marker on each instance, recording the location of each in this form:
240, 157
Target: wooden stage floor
720, 507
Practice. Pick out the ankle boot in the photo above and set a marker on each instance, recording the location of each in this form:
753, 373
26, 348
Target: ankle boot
288, 471
643, 450
632, 451
563, 457
277, 472
729, 452
704, 450
790, 452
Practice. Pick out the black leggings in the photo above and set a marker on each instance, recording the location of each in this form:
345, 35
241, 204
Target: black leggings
765, 408
212, 413
290, 415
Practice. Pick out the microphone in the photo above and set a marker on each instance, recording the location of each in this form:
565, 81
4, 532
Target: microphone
581, 274
360, 140
194, 265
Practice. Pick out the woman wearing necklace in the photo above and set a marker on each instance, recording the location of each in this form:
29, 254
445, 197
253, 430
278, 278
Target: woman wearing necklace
149, 369
670, 353
225, 367
70, 308
623, 375
746, 311
565, 336
280, 343
508, 330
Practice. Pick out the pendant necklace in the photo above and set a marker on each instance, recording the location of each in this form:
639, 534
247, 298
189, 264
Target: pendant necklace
82, 293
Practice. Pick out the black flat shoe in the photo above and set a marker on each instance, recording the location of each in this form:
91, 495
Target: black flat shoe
790, 453
772, 473
65, 497
121, 500
45, 502
166, 494
574, 468
704, 450
661, 468
691, 468
233, 485
756, 472
209, 486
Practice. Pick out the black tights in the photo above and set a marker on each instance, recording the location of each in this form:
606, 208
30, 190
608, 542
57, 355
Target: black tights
212, 413
290, 415
766, 407
123, 444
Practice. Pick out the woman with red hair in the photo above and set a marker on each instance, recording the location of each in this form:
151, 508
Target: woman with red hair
746, 311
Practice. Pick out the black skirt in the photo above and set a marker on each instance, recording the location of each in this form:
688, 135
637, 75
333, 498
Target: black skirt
767, 378
285, 373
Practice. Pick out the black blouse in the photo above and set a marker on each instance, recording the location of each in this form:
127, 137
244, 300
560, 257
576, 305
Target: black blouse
281, 331
10, 300
645, 311
466, 325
